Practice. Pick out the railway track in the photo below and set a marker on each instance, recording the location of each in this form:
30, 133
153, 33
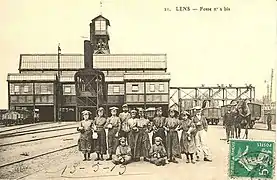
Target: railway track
36, 132
21, 127
31, 130
36, 156
38, 139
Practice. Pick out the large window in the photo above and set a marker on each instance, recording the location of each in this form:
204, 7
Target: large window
67, 89
135, 87
100, 25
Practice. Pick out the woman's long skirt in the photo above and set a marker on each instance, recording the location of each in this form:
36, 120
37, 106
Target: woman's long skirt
85, 142
112, 141
131, 140
100, 143
173, 146
187, 146
142, 144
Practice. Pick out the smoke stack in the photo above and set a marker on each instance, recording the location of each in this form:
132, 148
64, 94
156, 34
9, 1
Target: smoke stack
88, 54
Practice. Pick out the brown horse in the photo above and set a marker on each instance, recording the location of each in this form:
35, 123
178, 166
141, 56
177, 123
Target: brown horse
243, 117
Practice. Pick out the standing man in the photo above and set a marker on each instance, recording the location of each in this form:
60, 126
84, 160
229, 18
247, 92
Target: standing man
269, 119
201, 135
124, 116
228, 123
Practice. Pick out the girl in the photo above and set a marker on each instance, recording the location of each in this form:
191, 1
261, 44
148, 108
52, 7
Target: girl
172, 139
142, 142
157, 153
85, 140
187, 141
113, 125
100, 144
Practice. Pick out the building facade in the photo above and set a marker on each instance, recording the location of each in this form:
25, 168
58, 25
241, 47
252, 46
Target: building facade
140, 80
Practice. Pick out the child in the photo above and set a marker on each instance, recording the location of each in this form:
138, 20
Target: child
85, 140
187, 141
172, 139
113, 125
157, 153
123, 153
142, 141
101, 145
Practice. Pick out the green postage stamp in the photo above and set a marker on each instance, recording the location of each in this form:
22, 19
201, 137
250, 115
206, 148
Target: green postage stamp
249, 159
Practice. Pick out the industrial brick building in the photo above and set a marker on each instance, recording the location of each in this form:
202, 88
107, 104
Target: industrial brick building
140, 80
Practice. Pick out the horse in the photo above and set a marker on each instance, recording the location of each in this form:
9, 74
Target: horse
242, 118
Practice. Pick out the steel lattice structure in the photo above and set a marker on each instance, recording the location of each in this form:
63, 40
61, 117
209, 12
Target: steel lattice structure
187, 97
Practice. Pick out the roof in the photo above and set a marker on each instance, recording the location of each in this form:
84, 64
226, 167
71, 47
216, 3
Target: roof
100, 61
31, 77
100, 16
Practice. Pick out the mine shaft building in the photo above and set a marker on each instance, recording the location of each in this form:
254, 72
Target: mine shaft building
47, 81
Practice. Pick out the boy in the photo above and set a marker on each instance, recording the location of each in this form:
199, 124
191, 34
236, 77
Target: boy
157, 153
123, 153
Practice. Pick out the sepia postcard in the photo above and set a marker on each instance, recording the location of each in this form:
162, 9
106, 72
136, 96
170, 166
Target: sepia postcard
138, 89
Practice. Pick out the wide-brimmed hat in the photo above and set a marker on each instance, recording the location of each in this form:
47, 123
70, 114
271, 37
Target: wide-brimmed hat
124, 105
100, 109
86, 112
113, 108
158, 139
175, 111
133, 111
197, 108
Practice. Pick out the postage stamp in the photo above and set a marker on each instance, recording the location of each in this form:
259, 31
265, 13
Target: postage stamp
251, 159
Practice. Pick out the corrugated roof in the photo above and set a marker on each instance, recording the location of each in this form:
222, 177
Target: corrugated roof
30, 77
76, 61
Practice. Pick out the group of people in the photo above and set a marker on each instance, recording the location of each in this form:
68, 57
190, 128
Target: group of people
128, 136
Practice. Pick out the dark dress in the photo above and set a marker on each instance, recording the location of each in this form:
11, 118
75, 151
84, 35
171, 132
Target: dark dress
85, 140
159, 131
142, 142
112, 139
187, 141
100, 143
172, 139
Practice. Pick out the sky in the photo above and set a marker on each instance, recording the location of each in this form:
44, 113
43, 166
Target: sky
203, 47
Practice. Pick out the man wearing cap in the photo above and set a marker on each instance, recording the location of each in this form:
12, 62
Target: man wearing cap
85, 140
201, 135
123, 153
157, 152
228, 123
113, 125
124, 116
158, 126
101, 145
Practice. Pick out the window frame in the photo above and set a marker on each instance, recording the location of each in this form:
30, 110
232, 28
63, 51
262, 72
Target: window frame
135, 85
161, 89
115, 88
16, 89
152, 87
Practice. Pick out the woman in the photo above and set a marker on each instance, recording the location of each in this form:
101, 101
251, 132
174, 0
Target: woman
158, 126
85, 140
132, 130
113, 125
100, 144
142, 142
187, 141
172, 139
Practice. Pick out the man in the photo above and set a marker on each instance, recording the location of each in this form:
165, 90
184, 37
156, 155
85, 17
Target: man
124, 116
201, 135
269, 119
228, 123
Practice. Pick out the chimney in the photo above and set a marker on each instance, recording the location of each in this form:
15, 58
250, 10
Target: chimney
88, 54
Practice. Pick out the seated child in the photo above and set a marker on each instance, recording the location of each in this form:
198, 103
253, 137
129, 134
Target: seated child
123, 153
157, 153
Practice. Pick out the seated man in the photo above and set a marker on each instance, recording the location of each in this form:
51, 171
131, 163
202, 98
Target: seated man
157, 153
123, 153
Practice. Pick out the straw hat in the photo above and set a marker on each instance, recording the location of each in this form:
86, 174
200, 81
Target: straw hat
85, 112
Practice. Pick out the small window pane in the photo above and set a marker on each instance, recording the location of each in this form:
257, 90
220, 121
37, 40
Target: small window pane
135, 88
116, 89
152, 87
67, 89
16, 89
161, 87
26, 89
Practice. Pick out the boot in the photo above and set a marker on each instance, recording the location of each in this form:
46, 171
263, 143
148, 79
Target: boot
191, 159
206, 159
174, 160
98, 157
85, 157
110, 158
101, 158
88, 156
197, 158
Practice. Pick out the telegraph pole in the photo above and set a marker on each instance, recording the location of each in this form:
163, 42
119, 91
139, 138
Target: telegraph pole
59, 90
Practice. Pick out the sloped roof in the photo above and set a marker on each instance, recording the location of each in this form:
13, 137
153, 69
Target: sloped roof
100, 16
31, 77
100, 61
